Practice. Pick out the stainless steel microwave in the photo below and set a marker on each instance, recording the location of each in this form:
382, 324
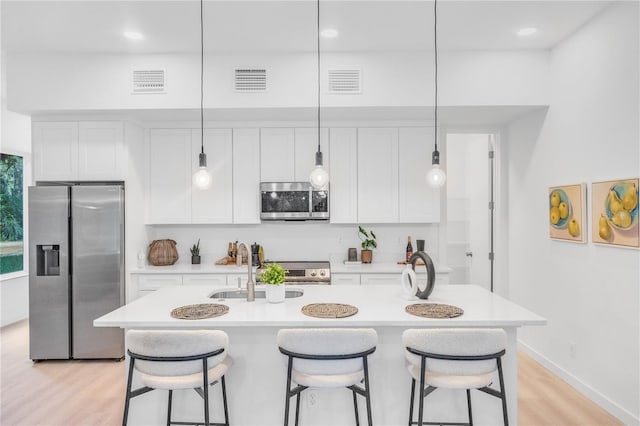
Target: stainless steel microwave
293, 201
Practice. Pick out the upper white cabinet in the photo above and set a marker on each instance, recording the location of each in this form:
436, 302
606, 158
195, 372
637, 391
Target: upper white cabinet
169, 155
343, 179
246, 176
79, 150
418, 202
378, 175
214, 204
305, 148
277, 155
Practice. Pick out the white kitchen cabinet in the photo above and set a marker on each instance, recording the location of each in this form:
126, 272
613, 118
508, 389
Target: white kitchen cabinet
377, 175
101, 152
380, 279
205, 279
238, 280
71, 150
277, 154
158, 281
215, 203
345, 279
246, 176
305, 148
418, 202
343, 180
169, 176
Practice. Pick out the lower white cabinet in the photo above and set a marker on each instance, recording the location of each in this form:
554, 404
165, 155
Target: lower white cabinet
345, 279
238, 280
380, 279
158, 281
205, 279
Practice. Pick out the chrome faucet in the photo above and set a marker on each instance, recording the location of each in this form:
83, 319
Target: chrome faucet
251, 285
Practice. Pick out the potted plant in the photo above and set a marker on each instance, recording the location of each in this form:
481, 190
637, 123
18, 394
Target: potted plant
368, 243
195, 253
273, 277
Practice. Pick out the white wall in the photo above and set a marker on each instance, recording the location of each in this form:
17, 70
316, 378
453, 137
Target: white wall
103, 82
15, 138
588, 293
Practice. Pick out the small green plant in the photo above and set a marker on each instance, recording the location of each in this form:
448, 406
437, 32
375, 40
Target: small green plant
195, 250
368, 239
274, 274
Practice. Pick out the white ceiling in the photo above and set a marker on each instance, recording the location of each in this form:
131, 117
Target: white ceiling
285, 26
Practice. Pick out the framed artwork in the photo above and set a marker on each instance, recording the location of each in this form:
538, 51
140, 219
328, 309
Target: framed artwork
568, 213
614, 213
11, 213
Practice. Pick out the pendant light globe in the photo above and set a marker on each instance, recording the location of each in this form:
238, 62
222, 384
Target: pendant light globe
436, 177
202, 178
319, 177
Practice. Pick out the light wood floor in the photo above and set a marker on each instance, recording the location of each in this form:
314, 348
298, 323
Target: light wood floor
88, 393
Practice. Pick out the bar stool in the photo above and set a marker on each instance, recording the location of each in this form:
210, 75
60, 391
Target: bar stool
327, 358
178, 359
455, 359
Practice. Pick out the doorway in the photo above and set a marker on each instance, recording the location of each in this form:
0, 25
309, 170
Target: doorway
470, 207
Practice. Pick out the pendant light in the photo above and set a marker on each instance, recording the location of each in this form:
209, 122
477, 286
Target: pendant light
202, 178
436, 176
319, 176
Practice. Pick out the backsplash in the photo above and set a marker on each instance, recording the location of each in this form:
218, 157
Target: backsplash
298, 241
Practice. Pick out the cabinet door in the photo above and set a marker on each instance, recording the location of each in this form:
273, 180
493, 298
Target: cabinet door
345, 279
418, 202
213, 280
246, 176
101, 150
155, 282
237, 280
277, 155
306, 146
377, 175
213, 204
55, 151
380, 279
169, 176
343, 180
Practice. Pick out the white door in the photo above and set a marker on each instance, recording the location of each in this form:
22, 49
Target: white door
277, 155
343, 180
468, 208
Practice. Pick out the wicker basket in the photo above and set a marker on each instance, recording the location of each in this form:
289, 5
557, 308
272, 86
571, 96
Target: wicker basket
162, 252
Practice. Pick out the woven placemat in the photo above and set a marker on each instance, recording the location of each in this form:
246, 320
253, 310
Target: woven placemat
433, 310
201, 311
329, 310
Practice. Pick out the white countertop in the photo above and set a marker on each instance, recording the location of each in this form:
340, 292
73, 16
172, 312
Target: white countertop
377, 306
336, 268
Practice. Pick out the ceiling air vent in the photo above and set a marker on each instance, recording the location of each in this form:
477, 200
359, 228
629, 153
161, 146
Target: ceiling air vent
345, 81
251, 80
148, 81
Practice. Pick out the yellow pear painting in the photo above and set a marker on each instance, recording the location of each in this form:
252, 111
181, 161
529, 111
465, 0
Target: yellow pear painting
568, 213
614, 213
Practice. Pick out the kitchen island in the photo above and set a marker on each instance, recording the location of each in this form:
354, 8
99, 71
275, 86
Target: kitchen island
256, 382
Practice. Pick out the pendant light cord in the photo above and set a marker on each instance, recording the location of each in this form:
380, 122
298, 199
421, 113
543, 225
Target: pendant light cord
201, 78
435, 49
318, 63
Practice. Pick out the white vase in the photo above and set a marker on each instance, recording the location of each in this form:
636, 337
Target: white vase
275, 293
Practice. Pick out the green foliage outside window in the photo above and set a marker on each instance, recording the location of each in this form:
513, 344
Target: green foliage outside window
11, 216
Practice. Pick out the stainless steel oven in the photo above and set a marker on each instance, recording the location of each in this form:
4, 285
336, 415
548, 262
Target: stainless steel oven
293, 201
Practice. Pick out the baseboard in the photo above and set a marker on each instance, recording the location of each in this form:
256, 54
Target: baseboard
596, 397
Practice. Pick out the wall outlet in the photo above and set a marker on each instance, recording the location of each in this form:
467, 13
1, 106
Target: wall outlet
572, 349
312, 399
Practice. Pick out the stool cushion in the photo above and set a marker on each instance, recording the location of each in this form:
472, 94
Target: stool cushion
327, 341
455, 342
327, 380
175, 343
450, 381
189, 381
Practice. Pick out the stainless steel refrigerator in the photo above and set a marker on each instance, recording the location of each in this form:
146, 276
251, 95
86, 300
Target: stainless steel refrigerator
76, 270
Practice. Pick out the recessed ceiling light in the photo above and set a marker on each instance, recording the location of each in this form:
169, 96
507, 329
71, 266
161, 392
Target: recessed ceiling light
329, 33
132, 35
527, 31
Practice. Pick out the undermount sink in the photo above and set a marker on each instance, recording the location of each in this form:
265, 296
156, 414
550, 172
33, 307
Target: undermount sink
259, 294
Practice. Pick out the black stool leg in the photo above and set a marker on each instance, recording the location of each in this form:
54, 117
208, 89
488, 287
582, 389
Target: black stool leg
367, 392
469, 407
205, 388
298, 407
128, 395
413, 395
355, 406
421, 408
503, 393
286, 395
169, 408
224, 402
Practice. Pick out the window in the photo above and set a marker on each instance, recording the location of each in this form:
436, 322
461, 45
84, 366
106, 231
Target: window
11, 213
